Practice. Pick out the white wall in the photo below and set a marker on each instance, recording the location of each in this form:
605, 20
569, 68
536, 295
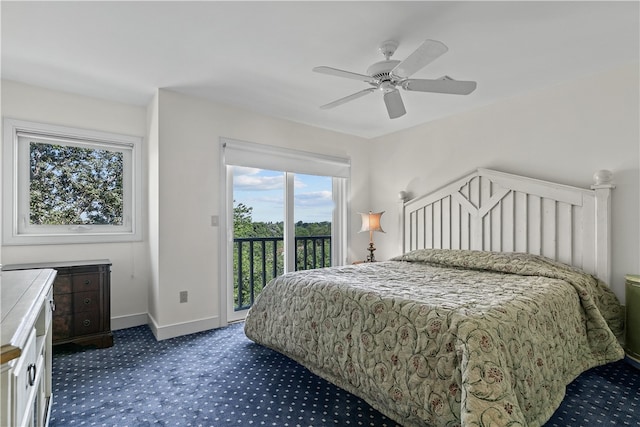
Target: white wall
188, 194
562, 134
179, 250
129, 277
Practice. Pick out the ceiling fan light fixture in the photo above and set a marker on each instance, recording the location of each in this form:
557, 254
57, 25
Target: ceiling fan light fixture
387, 87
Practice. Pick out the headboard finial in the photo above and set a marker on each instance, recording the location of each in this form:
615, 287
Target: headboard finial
403, 196
603, 177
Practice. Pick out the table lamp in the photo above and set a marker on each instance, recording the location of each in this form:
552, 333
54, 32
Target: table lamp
371, 223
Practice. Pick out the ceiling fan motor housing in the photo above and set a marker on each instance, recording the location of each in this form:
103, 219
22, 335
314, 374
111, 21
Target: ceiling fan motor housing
381, 71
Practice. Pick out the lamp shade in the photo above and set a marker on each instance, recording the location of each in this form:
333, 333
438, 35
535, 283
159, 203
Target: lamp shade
371, 222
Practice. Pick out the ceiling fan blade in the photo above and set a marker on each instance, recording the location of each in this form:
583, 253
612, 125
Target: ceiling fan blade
347, 98
395, 106
443, 85
420, 58
342, 73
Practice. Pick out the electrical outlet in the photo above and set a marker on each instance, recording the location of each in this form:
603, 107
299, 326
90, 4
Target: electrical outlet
184, 296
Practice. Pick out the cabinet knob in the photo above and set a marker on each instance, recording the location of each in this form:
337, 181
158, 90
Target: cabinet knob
87, 301
87, 322
87, 282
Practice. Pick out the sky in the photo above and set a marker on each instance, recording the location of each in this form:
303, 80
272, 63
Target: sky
263, 190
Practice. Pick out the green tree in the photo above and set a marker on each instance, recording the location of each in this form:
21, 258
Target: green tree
250, 274
75, 185
242, 222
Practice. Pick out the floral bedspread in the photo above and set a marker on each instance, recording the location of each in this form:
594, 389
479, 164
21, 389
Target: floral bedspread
443, 337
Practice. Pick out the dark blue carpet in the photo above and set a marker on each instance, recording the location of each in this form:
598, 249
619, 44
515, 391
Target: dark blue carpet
220, 378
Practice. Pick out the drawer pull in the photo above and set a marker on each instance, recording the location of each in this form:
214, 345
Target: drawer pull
87, 282
87, 322
31, 372
87, 301
52, 303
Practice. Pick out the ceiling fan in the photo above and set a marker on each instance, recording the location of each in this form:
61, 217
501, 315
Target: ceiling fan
389, 75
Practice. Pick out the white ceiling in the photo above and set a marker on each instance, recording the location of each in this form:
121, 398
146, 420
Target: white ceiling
259, 55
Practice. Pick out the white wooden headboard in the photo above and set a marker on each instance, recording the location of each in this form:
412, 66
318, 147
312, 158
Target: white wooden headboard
496, 211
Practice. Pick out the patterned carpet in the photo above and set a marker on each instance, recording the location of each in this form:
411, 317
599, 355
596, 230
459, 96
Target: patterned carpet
220, 378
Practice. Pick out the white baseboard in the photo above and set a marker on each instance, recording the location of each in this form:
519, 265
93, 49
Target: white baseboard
129, 321
185, 328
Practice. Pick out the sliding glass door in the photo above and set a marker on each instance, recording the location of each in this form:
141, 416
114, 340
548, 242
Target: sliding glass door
258, 231
280, 220
313, 213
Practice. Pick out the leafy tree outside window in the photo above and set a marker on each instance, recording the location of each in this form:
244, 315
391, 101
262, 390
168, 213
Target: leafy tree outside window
75, 185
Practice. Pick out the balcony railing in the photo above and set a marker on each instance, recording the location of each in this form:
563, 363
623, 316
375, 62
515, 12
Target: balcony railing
257, 260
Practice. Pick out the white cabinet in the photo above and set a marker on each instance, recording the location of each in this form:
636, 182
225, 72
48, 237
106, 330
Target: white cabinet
25, 353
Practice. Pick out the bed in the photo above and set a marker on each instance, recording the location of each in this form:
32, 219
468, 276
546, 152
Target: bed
497, 303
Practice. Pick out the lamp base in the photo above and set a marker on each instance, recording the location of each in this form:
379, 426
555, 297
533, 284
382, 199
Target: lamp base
371, 249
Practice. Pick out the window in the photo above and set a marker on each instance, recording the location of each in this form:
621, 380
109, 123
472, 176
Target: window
64, 185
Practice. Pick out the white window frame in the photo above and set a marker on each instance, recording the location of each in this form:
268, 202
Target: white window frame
16, 229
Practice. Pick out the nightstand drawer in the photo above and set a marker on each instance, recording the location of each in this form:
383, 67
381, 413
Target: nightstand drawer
86, 282
86, 323
86, 301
